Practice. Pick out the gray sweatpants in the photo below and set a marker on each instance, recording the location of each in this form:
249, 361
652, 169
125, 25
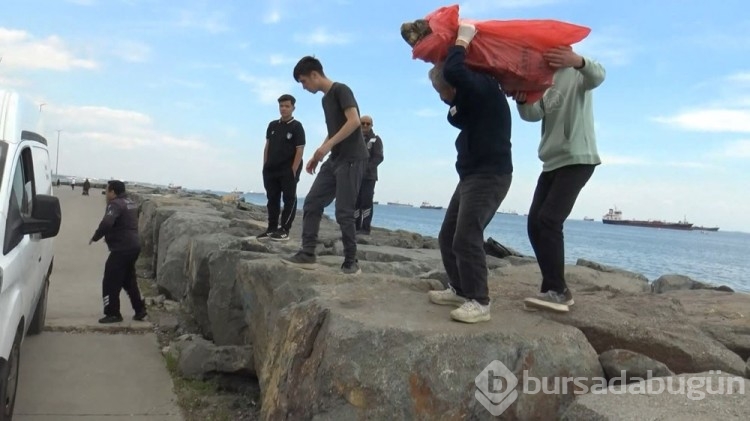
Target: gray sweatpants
340, 180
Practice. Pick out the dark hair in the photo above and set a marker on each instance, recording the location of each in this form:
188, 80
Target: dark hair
307, 65
116, 186
287, 97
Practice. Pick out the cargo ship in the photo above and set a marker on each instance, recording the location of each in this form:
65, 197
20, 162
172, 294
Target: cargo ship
614, 217
714, 229
426, 205
400, 204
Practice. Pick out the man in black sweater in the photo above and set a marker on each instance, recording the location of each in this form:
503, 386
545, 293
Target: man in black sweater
479, 109
119, 227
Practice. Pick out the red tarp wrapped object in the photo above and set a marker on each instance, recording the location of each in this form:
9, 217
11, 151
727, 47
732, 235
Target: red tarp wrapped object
510, 50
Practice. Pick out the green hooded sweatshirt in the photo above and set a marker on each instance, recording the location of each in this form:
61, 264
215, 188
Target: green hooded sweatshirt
567, 116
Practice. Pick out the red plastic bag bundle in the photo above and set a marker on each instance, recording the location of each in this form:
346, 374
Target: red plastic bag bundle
510, 50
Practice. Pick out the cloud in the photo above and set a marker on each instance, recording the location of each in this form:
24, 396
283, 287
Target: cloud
279, 60
267, 89
133, 52
20, 50
212, 23
736, 149
717, 120
428, 113
479, 6
272, 17
623, 160
635, 161
322, 36
608, 47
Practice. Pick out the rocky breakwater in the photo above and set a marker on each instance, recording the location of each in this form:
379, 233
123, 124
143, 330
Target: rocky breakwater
327, 346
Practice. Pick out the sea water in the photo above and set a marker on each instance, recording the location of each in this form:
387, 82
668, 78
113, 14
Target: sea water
715, 257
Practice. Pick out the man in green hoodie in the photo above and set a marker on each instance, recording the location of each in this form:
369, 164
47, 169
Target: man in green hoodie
569, 155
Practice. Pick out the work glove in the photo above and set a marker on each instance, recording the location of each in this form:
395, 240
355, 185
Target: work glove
466, 32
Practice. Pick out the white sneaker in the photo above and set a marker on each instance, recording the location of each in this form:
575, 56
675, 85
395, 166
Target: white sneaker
471, 312
446, 297
550, 300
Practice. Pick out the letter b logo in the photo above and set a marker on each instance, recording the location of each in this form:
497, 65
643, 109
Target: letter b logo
490, 391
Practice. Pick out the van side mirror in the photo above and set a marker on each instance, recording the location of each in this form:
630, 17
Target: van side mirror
46, 216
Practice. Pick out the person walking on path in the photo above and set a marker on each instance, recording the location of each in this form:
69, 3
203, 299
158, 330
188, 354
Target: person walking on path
119, 227
364, 209
282, 165
340, 177
479, 109
569, 155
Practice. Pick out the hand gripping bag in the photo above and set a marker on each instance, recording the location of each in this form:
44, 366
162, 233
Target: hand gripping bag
510, 50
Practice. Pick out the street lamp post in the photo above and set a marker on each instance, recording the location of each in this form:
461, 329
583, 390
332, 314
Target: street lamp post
57, 158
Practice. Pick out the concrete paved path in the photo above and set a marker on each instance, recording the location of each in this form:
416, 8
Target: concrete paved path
79, 369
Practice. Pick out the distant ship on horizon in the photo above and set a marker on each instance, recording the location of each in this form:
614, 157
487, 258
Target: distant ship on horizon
400, 204
614, 217
427, 205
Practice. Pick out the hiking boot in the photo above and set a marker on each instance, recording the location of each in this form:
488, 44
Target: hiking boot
471, 312
446, 297
140, 315
280, 235
301, 259
265, 236
110, 319
549, 300
350, 267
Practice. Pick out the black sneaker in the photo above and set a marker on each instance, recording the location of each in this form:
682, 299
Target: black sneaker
265, 236
140, 315
302, 260
110, 319
280, 235
350, 267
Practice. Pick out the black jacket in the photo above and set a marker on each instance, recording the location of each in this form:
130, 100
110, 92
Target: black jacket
119, 227
375, 148
480, 110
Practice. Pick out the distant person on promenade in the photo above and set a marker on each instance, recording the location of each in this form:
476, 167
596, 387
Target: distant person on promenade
569, 155
479, 108
282, 166
73, 183
86, 187
364, 209
341, 174
119, 227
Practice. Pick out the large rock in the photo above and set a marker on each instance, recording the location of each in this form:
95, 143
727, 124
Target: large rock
598, 276
618, 363
200, 249
681, 282
174, 237
681, 399
198, 358
331, 347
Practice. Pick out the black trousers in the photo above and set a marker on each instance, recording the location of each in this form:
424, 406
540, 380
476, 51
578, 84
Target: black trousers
340, 180
555, 195
364, 209
119, 273
281, 185
461, 238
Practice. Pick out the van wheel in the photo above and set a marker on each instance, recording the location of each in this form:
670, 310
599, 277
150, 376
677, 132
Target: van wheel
40, 314
9, 379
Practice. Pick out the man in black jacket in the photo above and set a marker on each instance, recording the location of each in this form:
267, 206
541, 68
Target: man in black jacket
363, 211
479, 109
119, 227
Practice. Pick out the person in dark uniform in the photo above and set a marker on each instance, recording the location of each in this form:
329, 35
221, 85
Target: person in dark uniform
119, 227
282, 165
86, 187
364, 210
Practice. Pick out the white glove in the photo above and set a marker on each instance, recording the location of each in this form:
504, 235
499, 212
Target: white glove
466, 32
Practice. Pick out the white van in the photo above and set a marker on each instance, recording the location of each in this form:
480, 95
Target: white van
29, 219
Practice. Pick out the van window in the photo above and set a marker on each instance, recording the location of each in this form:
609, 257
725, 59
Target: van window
21, 200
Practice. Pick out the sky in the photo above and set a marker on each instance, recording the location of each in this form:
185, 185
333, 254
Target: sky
182, 92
